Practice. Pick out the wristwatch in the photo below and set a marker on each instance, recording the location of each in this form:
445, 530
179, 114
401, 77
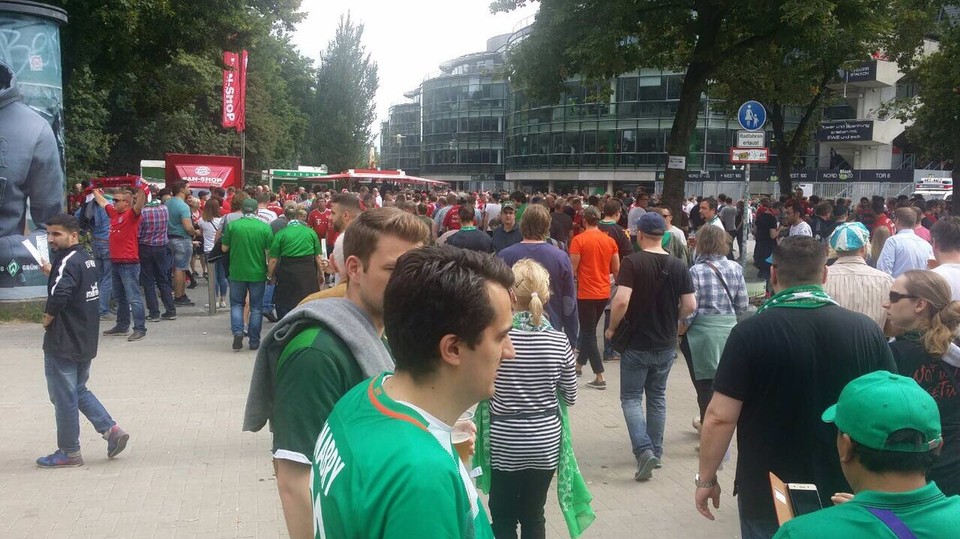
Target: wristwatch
704, 484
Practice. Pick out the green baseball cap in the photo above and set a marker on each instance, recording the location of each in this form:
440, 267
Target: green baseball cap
875, 405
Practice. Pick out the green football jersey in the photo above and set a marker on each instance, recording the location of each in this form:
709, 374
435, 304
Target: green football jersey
385, 469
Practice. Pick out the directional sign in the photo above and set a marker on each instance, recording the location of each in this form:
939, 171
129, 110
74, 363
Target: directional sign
751, 139
752, 116
743, 156
294, 173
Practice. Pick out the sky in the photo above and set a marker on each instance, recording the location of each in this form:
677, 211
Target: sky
408, 39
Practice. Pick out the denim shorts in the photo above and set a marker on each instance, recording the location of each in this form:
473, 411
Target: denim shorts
182, 249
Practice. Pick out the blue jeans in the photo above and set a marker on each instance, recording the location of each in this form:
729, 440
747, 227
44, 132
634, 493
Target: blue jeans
67, 386
126, 286
156, 273
607, 347
268, 305
222, 284
238, 296
645, 370
755, 528
101, 253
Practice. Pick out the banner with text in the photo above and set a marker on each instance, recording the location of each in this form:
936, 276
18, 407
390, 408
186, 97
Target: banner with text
230, 89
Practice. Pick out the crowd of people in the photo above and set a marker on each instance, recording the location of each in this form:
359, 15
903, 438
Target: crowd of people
403, 318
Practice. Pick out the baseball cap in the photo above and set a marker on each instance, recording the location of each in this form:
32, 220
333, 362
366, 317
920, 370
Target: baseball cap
875, 405
849, 237
507, 206
652, 223
249, 205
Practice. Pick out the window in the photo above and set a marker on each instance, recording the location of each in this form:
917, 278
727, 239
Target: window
651, 89
627, 89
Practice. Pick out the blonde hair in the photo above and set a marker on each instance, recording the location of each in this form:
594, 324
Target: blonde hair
942, 315
878, 238
532, 287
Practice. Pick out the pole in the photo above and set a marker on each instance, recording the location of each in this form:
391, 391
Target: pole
746, 182
211, 287
243, 156
706, 133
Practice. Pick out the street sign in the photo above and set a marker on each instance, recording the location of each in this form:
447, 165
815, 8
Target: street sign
743, 156
752, 116
751, 139
279, 173
677, 162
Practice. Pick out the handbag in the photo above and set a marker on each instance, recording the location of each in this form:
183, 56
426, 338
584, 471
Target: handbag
216, 253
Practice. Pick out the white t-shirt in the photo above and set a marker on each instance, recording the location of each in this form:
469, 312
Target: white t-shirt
951, 272
265, 215
801, 229
338, 260
209, 231
493, 212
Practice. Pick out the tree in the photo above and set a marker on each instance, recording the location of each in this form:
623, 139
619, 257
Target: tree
704, 39
935, 110
347, 83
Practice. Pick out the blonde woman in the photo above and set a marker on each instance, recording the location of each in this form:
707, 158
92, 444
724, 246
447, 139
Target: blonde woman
878, 238
920, 305
524, 411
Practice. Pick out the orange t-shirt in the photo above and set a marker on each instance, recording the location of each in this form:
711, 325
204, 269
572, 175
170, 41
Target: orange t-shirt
596, 249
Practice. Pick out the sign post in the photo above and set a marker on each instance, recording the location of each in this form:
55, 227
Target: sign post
751, 143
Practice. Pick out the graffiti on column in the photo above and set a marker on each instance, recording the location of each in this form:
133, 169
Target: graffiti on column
32, 158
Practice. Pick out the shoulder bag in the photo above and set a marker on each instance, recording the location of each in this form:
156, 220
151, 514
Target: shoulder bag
216, 253
723, 282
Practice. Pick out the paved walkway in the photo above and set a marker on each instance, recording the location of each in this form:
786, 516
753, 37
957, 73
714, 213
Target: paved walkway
190, 472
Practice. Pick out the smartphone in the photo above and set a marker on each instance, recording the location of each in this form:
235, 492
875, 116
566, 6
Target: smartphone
804, 498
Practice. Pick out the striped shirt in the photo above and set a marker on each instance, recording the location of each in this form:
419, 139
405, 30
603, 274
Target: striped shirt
858, 287
711, 296
153, 225
527, 384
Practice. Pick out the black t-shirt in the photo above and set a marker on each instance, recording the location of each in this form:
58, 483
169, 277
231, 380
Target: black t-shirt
657, 280
787, 366
561, 225
619, 235
472, 239
934, 376
503, 239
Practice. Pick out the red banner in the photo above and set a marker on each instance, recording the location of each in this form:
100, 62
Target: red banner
242, 103
205, 175
232, 97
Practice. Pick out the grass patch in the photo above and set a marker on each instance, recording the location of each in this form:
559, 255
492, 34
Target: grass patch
22, 311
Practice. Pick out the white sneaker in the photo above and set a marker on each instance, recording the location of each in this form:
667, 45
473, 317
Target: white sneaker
222, 304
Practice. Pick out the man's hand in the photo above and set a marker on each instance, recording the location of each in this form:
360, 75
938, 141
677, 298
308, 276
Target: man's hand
704, 494
46, 268
841, 497
47, 320
608, 334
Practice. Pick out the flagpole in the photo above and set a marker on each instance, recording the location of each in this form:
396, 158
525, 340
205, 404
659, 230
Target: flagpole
243, 157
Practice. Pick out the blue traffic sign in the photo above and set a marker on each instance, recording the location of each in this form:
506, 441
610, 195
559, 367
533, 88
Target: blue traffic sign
752, 116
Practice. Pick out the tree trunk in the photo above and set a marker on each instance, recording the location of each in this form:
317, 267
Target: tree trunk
783, 148
685, 121
955, 207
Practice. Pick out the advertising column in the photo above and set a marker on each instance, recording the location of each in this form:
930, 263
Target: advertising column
32, 164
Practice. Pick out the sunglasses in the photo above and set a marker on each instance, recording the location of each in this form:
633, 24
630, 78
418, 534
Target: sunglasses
897, 296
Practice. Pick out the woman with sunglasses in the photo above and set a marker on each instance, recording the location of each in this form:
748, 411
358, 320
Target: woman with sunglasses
920, 306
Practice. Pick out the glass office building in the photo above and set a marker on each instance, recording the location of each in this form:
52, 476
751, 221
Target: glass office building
400, 138
475, 130
463, 119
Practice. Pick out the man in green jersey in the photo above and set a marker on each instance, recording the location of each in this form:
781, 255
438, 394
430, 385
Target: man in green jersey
384, 465
888, 436
323, 348
247, 240
295, 262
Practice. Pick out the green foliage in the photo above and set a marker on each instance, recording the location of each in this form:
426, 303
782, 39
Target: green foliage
143, 78
347, 83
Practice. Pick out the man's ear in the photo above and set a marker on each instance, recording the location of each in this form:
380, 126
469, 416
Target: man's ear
826, 269
450, 348
773, 276
844, 447
353, 267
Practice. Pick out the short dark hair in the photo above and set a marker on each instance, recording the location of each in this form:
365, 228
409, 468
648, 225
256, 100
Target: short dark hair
427, 296
711, 202
349, 201
879, 461
466, 214
65, 220
946, 234
179, 186
611, 207
519, 196
799, 260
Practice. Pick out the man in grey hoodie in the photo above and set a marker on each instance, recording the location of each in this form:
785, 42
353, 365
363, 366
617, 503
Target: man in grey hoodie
322, 349
30, 169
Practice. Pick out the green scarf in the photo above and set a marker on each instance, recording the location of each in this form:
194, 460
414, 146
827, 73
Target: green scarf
808, 296
572, 491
